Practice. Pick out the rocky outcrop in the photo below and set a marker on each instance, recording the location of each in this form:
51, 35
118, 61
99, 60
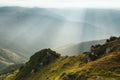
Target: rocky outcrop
38, 61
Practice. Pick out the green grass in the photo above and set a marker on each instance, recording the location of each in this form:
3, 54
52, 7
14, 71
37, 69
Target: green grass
11, 76
105, 68
54, 70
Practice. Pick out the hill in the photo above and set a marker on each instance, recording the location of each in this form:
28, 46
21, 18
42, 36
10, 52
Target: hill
101, 63
10, 60
75, 49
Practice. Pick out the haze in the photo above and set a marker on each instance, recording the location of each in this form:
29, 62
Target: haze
33, 25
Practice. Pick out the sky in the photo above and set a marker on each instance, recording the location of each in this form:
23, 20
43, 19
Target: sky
63, 3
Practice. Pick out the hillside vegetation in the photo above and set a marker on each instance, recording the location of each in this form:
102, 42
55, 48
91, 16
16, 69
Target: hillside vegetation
101, 63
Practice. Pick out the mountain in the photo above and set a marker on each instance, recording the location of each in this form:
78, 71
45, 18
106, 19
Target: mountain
101, 63
31, 29
23, 28
75, 49
10, 60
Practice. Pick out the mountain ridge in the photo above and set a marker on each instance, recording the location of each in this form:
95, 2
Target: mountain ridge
100, 63
18, 27
75, 49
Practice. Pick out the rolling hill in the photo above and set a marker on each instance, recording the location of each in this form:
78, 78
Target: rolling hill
10, 60
101, 63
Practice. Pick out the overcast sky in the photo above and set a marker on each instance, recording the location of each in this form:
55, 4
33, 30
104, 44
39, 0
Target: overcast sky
63, 3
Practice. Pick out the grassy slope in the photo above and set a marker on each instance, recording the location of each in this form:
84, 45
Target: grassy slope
54, 70
10, 76
105, 68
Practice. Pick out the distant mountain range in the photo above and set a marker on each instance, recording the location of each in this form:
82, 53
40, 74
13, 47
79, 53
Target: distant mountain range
23, 31
9, 58
22, 28
75, 49
27, 30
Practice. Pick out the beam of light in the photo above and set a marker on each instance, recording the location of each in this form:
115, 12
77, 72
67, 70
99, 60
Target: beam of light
68, 33
63, 4
103, 24
33, 32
